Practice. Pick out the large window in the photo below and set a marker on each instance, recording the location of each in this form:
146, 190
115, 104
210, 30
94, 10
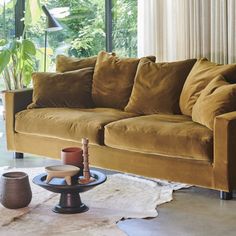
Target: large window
85, 30
7, 25
124, 27
7, 29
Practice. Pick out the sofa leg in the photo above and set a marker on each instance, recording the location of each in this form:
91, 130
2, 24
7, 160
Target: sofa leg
18, 155
226, 195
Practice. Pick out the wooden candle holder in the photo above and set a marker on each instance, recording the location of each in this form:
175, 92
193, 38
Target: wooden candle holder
86, 172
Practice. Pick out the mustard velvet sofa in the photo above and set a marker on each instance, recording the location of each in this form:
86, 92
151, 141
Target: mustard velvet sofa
166, 146
216, 173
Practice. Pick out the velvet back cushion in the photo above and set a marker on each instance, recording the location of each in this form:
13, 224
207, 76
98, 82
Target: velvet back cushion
202, 73
69, 89
64, 63
113, 80
157, 87
217, 98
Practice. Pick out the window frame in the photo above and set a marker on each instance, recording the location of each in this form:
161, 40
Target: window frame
108, 22
19, 14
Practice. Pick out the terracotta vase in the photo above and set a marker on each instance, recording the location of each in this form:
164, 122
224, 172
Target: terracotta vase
15, 190
73, 156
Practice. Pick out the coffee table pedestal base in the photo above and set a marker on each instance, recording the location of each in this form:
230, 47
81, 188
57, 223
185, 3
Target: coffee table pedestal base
70, 203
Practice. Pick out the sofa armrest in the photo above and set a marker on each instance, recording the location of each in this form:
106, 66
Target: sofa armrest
225, 151
18, 100
15, 101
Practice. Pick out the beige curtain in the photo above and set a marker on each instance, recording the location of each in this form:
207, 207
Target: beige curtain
180, 29
231, 31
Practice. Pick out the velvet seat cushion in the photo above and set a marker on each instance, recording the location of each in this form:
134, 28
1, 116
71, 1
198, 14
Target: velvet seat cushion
217, 98
70, 89
69, 124
113, 80
65, 63
199, 77
171, 135
157, 86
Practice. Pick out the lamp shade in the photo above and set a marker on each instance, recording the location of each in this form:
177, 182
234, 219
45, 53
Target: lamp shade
52, 23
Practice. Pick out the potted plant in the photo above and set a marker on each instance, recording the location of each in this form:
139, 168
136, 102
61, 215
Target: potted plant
17, 55
17, 62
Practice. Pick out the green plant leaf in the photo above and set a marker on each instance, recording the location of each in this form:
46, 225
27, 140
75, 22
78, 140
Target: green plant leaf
4, 59
27, 73
3, 42
28, 47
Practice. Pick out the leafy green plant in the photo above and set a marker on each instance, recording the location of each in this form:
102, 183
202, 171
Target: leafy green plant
17, 55
17, 60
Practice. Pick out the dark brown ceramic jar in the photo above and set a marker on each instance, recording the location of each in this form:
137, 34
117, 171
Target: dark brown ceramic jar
15, 190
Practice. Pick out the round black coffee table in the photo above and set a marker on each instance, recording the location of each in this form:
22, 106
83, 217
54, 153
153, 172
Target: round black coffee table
70, 201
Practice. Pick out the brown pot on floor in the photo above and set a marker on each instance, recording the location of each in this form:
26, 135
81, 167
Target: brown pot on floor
15, 190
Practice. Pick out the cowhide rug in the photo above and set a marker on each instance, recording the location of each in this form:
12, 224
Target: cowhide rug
121, 196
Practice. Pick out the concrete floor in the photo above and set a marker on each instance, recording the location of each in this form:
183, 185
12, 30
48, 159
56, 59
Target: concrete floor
194, 211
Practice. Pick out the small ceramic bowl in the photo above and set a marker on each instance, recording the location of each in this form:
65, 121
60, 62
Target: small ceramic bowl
61, 171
